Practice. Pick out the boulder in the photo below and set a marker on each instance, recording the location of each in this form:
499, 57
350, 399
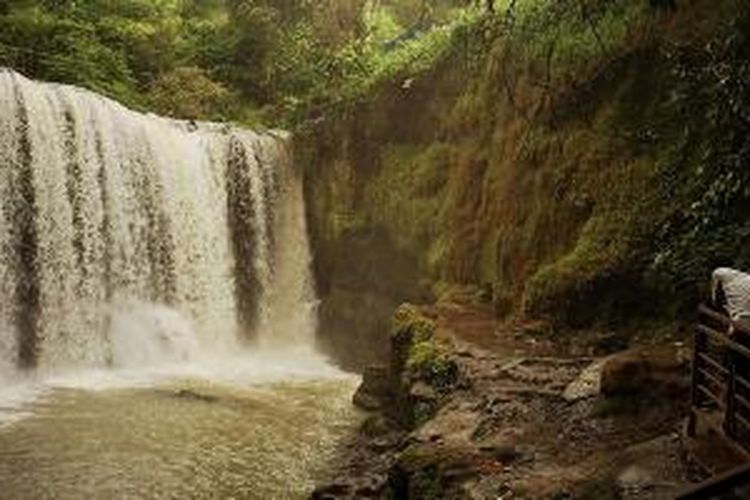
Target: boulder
422, 403
376, 425
352, 488
425, 470
657, 372
334, 491
421, 391
587, 384
375, 390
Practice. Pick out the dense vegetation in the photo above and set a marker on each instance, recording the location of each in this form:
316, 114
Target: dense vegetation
220, 59
584, 162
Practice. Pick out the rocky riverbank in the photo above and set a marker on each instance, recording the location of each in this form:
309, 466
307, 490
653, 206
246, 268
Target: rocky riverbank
472, 408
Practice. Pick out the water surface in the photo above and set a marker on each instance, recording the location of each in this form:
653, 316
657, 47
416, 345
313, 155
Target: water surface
178, 439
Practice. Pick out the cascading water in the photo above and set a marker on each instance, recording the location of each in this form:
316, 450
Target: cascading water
156, 307
127, 237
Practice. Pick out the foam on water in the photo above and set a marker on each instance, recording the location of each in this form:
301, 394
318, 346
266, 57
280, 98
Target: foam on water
245, 368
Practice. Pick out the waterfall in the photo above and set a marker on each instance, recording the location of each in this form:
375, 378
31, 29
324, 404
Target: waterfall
129, 238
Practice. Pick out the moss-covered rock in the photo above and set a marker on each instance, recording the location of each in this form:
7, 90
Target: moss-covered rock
428, 472
422, 369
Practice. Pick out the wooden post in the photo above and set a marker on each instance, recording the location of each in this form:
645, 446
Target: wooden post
699, 345
731, 404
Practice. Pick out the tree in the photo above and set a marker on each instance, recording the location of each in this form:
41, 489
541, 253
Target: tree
188, 92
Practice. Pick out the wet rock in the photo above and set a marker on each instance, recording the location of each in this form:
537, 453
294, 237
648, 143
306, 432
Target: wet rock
428, 471
368, 491
353, 488
384, 443
376, 426
334, 491
366, 401
192, 395
420, 391
374, 391
648, 371
586, 385
465, 353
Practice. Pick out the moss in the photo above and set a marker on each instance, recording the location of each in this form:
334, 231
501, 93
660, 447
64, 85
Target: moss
555, 194
612, 248
414, 335
430, 361
423, 411
423, 353
417, 474
404, 195
411, 326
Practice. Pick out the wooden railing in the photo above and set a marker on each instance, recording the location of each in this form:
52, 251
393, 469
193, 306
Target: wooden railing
722, 486
720, 384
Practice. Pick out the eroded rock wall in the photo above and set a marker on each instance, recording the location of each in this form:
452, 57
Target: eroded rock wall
484, 177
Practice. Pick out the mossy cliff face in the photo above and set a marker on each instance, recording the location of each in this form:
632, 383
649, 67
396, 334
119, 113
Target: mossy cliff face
546, 184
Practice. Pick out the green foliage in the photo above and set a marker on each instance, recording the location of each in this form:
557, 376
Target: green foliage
117, 48
422, 13
424, 356
381, 26
604, 271
353, 71
405, 192
297, 58
187, 92
287, 56
563, 38
714, 89
430, 361
411, 326
573, 141
47, 46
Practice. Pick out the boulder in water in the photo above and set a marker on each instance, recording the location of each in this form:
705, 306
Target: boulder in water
192, 395
375, 390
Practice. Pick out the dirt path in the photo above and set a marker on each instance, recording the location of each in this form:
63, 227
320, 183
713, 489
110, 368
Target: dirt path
562, 444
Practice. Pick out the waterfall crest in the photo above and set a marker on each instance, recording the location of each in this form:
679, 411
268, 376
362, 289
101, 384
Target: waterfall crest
125, 237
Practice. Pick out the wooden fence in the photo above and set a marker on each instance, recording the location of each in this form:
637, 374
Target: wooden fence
720, 387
